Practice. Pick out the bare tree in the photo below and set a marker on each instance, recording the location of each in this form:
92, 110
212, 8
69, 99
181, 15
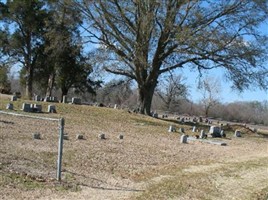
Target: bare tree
210, 89
171, 91
143, 39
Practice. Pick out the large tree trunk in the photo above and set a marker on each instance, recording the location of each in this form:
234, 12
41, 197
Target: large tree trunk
50, 84
29, 85
146, 93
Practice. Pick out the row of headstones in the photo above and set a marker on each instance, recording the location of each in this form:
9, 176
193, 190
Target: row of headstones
37, 136
78, 136
26, 107
214, 131
75, 100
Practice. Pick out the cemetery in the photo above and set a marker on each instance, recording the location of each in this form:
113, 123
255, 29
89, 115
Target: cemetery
125, 154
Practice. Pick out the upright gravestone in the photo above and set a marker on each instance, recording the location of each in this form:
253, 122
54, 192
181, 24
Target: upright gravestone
202, 134
215, 131
223, 134
9, 106
76, 100
171, 129
237, 133
37, 98
194, 129
181, 130
51, 109
183, 139
13, 98
155, 115
26, 107
64, 99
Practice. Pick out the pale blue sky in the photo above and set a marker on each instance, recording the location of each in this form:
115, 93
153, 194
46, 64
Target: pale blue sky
227, 93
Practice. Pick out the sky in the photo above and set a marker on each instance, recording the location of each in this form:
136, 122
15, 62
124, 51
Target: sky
227, 94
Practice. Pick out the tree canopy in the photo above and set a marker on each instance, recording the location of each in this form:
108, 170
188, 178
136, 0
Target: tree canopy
143, 39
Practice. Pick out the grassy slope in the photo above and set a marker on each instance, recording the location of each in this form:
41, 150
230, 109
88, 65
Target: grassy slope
146, 153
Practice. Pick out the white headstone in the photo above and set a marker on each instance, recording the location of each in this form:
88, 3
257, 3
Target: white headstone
202, 134
215, 131
9, 106
171, 129
51, 109
14, 98
76, 100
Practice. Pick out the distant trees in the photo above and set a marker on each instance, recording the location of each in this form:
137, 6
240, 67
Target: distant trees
210, 91
43, 37
23, 34
172, 90
115, 92
144, 39
5, 84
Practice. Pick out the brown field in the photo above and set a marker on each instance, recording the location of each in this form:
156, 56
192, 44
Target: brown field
149, 163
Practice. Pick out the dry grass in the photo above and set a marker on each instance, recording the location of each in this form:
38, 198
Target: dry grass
149, 163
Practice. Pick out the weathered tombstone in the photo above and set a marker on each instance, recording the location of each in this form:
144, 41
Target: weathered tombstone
79, 137
26, 107
37, 98
64, 99
155, 115
76, 100
37, 136
65, 136
183, 139
237, 133
9, 106
46, 99
215, 131
181, 130
202, 134
51, 109
13, 98
121, 136
194, 129
102, 136
115, 106
53, 99
37, 108
223, 134
171, 129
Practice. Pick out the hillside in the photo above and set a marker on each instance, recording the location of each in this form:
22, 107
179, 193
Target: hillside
148, 163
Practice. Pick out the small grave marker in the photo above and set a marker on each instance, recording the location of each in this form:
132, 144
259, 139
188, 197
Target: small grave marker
51, 109
101, 136
183, 139
79, 137
9, 106
13, 98
37, 136
76, 100
171, 129
237, 133
181, 130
